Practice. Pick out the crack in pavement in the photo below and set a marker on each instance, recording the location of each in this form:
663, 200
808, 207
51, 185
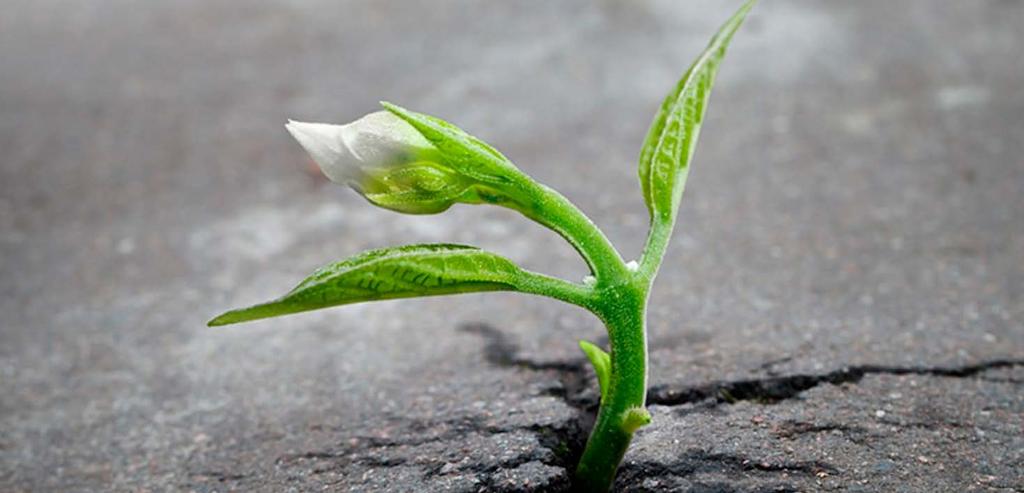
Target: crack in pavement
414, 434
501, 352
793, 428
220, 476
562, 444
377, 451
576, 382
342, 459
697, 461
774, 389
577, 387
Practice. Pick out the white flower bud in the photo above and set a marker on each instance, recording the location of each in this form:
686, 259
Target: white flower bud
386, 157
387, 161
355, 153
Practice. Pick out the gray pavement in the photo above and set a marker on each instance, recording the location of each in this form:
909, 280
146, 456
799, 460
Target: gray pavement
841, 309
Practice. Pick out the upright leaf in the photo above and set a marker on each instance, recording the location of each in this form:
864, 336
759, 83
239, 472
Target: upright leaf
403, 272
672, 138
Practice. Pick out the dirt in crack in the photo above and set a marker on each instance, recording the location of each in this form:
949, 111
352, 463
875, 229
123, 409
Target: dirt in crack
694, 462
561, 444
576, 385
577, 389
778, 388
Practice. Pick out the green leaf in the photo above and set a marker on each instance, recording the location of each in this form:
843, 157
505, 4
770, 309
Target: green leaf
672, 138
403, 272
601, 362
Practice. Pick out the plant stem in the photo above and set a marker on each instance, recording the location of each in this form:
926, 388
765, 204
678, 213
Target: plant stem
657, 243
619, 299
553, 287
623, 310
556, 212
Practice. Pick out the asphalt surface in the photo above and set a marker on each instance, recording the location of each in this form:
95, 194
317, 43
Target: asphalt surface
841, 308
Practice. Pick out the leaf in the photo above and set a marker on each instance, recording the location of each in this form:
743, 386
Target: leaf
403, 272
672, 138
601, 362
469, 155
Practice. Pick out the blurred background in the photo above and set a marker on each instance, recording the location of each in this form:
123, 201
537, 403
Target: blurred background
858, 197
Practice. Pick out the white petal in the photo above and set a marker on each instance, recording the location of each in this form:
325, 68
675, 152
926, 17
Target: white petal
382, 139
346, 153
324, 144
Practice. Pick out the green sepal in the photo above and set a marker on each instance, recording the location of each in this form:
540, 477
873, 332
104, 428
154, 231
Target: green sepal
672, 137
469, 155
601, 362
417, 188
389, 273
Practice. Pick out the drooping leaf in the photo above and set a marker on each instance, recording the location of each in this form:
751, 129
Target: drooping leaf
403, 272
672, 138
601, 362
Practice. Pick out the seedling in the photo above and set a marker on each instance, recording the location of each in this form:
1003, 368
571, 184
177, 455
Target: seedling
418, 164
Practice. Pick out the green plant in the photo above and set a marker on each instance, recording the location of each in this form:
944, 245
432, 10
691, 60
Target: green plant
418, 164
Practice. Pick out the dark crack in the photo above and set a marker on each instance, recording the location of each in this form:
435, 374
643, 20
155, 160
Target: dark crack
493, 482
778, 388
562, 444
488, 469
219, 476
576, 388
576, 385
340, 460
632, 474
1009, 380
792, 429
769, 366
719, 487
938, 425
502, 352
361, 450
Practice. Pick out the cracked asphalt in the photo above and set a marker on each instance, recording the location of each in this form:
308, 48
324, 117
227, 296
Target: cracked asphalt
841, 308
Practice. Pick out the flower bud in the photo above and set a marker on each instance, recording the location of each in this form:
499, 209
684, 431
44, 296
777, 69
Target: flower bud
386, 160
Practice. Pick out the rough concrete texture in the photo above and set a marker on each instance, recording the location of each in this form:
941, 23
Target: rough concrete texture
840, 310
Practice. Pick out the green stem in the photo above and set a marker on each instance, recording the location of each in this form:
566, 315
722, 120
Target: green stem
557, 213
622, 406
553, 287
657, 243
619, 299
